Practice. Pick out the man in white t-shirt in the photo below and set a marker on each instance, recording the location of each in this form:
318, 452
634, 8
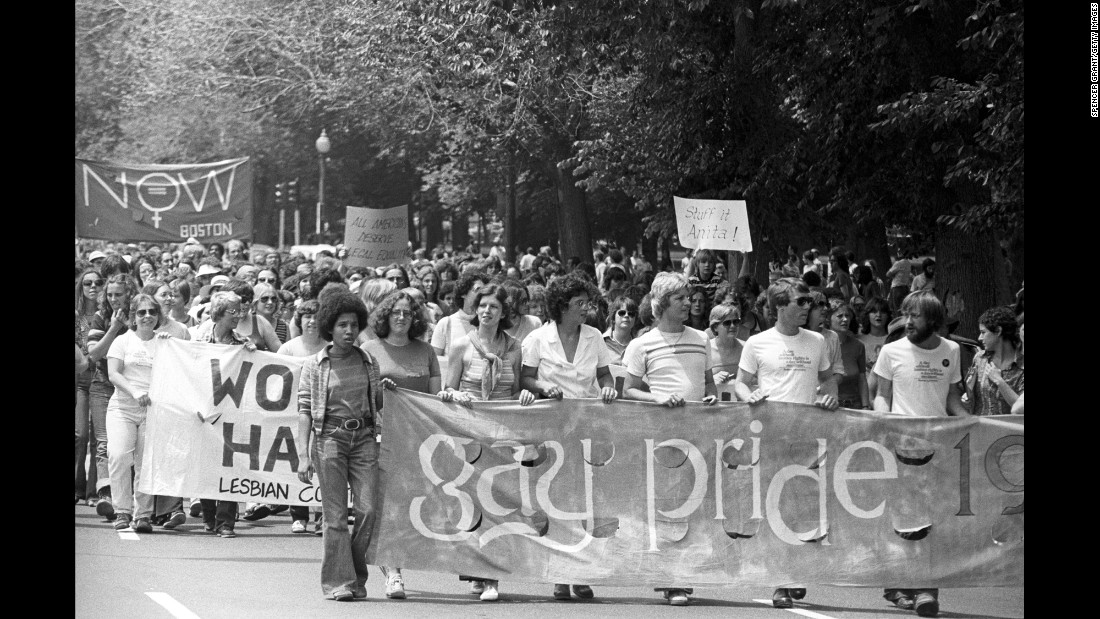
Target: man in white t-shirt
920, 376
675, 360
787, 364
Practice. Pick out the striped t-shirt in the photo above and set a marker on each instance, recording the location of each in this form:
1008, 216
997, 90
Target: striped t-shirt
671, 363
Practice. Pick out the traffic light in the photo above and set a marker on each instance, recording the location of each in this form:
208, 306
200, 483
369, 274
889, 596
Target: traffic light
280, 194
292, 192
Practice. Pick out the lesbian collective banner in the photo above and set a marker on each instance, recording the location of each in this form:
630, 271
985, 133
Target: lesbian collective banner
167, 203
625, 493
223, 424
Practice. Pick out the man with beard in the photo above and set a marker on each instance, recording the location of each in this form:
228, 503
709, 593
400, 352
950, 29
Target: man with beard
920, 376
787, 363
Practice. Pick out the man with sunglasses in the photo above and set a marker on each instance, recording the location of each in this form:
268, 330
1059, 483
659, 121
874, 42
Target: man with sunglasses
787, 364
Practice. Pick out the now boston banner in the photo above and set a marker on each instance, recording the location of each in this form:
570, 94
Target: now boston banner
166, 203
625, 493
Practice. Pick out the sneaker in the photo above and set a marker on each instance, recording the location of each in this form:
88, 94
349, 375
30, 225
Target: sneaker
343, 595
477, 587
319, 527
122, 521
104, 508
899, 598
298, 526
782, 599
490, 594
257, 511
797, 594
196, 508
92, 502
175, 520
208, 527
926, 605
226, 532
677, 597
142, 525
583, 592
561, 592
278, 509
395, 586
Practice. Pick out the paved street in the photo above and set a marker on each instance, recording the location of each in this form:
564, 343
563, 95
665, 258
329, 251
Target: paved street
268, 571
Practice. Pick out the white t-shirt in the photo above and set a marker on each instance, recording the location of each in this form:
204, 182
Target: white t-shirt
542, 349
832, 348
671, 363
922, 378
137, 367
450, 329
786, 366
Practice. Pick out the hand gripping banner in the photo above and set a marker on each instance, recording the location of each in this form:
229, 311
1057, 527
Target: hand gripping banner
632, 493
166, 203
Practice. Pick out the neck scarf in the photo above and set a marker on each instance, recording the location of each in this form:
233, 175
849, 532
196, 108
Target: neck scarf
493, 363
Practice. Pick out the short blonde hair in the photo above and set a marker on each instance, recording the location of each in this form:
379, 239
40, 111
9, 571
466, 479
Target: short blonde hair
664, 286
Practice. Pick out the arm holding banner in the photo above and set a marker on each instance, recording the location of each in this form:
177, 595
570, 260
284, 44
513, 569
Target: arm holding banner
955, 406
828, 386
607, 384
742, 388
632, 389
450, 392
884, 396
119, 380
305, 419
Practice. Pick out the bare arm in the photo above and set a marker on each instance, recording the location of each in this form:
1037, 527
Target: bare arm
632, 389
884, 395
747, 389
955, 406
114, 373
529, 380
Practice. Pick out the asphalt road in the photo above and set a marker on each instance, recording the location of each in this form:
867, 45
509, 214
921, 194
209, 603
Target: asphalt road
267, 571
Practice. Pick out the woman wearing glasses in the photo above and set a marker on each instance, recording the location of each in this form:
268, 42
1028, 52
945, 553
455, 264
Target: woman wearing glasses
567, 358
269, 276
623, 315
405, 361
111, 321
267, 306
130, 368
725, 348
226, 309
166, 298
89, 286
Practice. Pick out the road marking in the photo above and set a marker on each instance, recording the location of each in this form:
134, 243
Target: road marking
128, 535
171, 605
798, 611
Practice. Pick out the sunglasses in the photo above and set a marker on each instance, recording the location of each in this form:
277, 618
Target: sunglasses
731, 323
266, 280
270, 299
232, 312
625, 313
93, 282
148, 312
804, 301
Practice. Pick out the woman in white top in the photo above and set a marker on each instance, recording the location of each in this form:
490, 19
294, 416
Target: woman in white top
725, 348
567, 358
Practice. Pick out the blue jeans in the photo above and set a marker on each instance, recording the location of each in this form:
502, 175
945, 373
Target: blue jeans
341, 457
99, 394
85, 480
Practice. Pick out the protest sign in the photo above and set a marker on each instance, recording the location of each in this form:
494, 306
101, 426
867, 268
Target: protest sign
165, 203
713, 224
632, 493
223, 424
376, 236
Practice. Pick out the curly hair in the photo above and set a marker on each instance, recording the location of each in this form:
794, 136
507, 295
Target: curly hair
560, 291
334, 303
1002, 318
319, 278
307, 307
500, 294
465, 283
118, 278
380, 317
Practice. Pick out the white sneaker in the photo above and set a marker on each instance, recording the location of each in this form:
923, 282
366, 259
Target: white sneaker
298, 526
477, 587
490, 594
395, 586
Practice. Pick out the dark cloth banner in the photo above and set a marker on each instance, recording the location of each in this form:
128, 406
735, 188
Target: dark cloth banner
632, 493
166, 203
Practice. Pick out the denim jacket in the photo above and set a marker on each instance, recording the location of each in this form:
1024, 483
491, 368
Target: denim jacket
313, 387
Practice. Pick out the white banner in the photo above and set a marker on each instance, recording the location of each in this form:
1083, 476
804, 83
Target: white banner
223, 424
713, 224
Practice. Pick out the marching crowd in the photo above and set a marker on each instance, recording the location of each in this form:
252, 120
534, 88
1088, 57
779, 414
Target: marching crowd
826, 331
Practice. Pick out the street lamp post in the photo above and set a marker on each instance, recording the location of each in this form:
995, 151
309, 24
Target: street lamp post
323, 146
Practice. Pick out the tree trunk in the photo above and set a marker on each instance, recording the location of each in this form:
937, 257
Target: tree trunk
574, 237
649, 250
969, 272
460, 229
868, 240
433, 223
511, 229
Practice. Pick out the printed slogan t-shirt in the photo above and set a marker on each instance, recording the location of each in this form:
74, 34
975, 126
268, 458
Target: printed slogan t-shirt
786, 366
922, 378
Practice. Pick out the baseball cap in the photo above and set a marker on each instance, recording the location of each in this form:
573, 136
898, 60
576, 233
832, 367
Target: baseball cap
96, 255
219, 280
209, 269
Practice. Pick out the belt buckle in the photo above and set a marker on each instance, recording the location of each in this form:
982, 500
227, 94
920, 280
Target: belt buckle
358, 424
